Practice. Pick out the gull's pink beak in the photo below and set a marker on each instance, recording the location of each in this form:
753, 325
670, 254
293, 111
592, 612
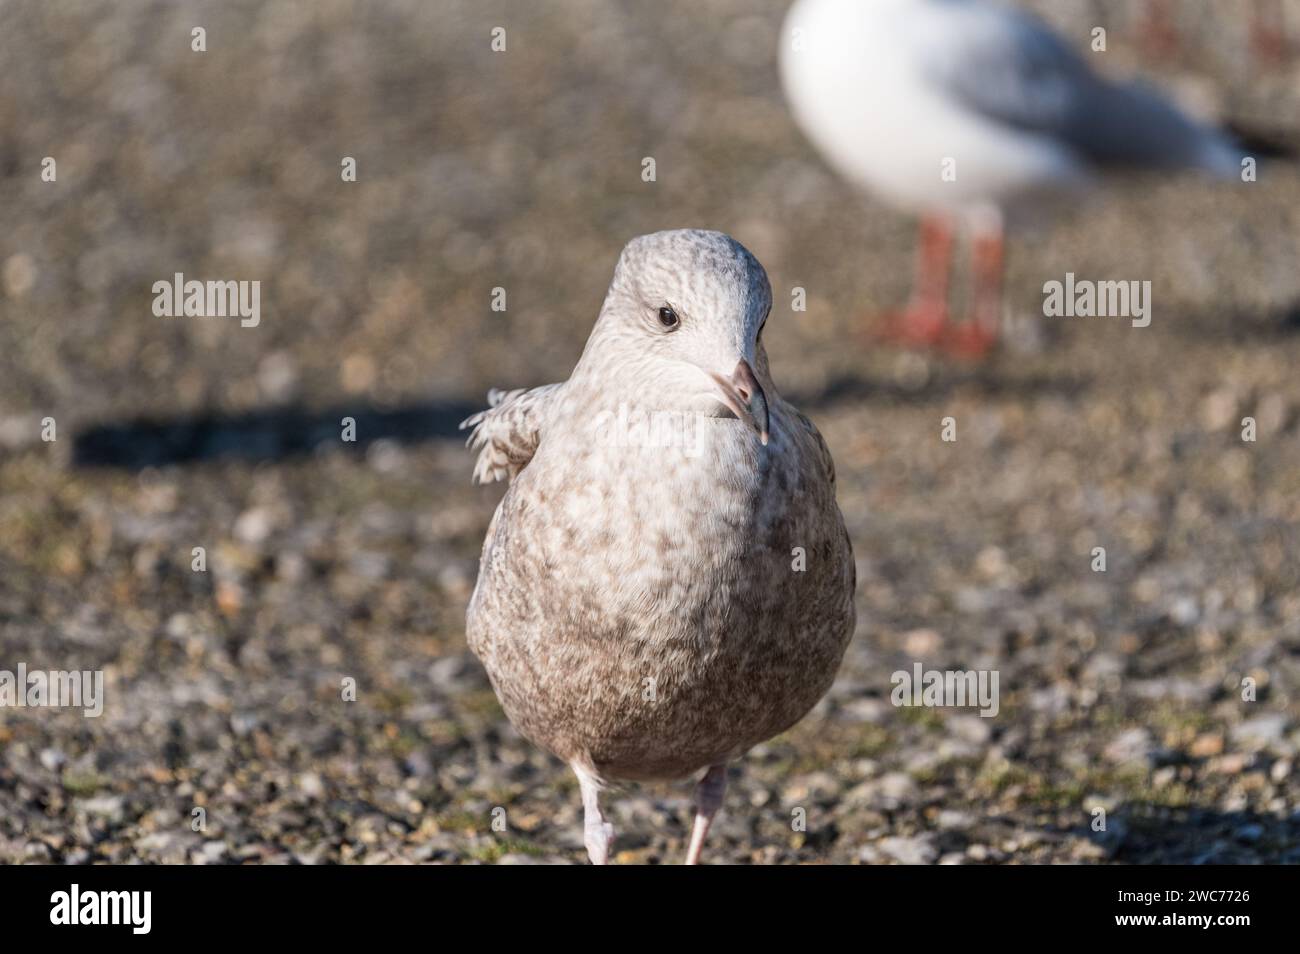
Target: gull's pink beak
744, 397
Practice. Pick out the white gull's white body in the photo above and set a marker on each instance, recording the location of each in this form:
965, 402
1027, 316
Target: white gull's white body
891, 90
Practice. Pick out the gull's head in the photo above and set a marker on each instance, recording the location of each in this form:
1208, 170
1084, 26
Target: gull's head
680, 328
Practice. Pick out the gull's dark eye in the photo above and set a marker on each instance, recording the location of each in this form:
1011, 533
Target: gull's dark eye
668, 318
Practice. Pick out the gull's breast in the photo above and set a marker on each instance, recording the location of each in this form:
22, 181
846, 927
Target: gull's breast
640, 609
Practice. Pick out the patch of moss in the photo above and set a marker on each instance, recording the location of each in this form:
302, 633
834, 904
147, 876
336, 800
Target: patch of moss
869, 742
461, 821
481, 703
928, 719
492, 850
1179, 719
82, 783
997, 777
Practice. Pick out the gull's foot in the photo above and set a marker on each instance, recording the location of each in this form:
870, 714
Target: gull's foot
1269, 45
1159, 35
969, 340
598, 838
916, 326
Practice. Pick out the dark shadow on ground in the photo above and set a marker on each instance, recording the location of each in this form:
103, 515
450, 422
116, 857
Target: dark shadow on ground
261, 435
1200, 836
987, 380
1142, 833
1268, 324
276, 433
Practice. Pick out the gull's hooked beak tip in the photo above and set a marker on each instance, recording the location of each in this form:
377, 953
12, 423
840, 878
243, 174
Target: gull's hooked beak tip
741, 394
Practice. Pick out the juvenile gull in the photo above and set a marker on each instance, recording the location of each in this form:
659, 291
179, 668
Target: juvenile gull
964, 111
668, 580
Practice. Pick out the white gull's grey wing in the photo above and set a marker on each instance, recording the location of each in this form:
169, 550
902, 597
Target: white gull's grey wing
1010, 67
506, 435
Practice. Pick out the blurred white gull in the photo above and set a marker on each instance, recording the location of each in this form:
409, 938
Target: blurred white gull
964, 112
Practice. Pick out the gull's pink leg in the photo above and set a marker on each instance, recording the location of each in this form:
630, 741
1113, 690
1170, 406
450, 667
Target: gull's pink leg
922, 322
1268, 40
708, 799
1268, 37
1159, 35
597, 834
976, 336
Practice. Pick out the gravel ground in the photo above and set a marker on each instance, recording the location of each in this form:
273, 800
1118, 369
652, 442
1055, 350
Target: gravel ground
330, 561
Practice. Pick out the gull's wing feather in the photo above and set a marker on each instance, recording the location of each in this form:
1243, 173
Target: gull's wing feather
506, 435
821, 452
1009, 67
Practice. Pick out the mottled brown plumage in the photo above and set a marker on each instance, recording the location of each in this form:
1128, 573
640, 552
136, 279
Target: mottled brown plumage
640, 607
